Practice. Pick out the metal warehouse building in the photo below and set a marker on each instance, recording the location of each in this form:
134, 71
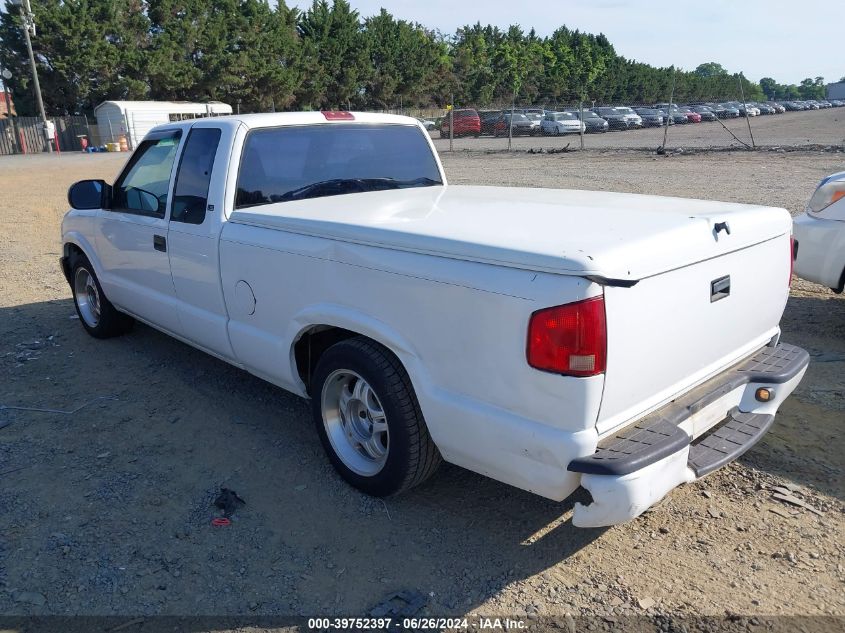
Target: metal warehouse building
836, 91
134, 119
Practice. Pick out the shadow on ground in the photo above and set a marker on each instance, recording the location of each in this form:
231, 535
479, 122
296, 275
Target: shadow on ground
111, 506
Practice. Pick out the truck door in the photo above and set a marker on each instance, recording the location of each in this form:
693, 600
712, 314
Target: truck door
194, 232
131, 236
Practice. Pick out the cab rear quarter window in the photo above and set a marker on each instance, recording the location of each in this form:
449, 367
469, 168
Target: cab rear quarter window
190, 195
278, 161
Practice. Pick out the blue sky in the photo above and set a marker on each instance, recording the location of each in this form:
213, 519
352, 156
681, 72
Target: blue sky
786, 40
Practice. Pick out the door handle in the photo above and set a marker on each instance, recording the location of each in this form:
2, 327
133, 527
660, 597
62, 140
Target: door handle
160, 243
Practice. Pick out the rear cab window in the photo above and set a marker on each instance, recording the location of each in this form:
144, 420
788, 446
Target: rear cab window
309, 161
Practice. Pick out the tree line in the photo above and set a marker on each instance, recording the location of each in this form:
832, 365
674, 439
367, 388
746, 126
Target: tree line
258, 57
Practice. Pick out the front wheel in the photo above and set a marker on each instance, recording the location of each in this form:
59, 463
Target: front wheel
369, 420
98, 316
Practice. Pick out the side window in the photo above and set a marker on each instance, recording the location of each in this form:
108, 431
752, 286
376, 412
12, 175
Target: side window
142, 187
190, 195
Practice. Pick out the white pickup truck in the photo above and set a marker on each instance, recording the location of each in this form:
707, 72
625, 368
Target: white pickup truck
544, 338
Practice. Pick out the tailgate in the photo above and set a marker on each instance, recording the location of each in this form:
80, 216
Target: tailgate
672, 331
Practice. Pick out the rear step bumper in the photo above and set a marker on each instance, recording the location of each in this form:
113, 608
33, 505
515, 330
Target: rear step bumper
690, 437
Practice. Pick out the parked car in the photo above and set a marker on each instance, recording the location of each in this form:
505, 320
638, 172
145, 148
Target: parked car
825, 104
836, 103
794, 106
676, 116
538, 111
427, 124
535, 119
692, 116
632, 119
467, 123
593, 123
764, 108
650, 116
779, 108
615, 120
728, 111
557, 123
704, 112
746, 109
522, 125
819, 233
488, 120
628, 313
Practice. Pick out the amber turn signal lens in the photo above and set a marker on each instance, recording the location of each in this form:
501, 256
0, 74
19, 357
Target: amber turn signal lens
763, 394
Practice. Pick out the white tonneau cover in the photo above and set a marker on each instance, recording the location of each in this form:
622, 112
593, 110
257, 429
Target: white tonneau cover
614, 236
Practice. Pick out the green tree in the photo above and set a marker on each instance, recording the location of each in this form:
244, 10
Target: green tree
407, 61
86, 52
710, 69
337, 61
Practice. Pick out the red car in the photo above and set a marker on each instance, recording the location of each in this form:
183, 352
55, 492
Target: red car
692, 117
467, 123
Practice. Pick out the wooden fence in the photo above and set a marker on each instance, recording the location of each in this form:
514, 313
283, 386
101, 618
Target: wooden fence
23, 135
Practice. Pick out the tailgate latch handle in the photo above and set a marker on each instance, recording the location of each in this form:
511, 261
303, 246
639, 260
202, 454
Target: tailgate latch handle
721, 226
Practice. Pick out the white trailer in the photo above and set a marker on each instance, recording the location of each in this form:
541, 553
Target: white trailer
134, 119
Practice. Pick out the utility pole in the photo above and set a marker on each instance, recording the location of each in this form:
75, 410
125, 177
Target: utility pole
29, 27
669, 111
581, 119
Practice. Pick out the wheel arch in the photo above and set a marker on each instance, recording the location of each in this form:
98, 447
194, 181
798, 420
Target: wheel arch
76, 243
320, 327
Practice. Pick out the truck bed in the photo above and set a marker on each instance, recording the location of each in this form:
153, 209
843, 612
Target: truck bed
586, 233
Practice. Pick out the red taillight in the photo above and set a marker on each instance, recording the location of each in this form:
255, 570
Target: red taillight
570, 339
791, 259
338, 115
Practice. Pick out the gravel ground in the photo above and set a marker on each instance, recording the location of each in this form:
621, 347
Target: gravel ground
106, 511
790, 129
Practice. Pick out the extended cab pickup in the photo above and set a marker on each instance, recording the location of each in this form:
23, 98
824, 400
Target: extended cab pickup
545, 338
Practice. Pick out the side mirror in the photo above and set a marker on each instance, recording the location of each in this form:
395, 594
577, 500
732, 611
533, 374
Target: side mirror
89, 194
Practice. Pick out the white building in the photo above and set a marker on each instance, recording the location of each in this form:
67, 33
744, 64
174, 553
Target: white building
135, 118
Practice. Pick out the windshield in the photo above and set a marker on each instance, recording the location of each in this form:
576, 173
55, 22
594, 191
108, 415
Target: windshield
309, 161
648, 111
566, 116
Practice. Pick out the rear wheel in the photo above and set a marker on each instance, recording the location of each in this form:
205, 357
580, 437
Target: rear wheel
369, 420
98, 316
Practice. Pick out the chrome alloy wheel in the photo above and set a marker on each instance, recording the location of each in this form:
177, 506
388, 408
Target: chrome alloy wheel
87, 296
355, 422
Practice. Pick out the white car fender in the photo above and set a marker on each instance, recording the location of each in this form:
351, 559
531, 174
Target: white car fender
79, 240
350, 319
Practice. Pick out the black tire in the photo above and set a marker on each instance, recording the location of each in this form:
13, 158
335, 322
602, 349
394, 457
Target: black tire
110, 322
412, 456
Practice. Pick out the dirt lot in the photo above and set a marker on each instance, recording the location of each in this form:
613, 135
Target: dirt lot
106, 511
792, 129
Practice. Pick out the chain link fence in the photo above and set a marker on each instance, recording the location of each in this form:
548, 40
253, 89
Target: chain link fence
550, 126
